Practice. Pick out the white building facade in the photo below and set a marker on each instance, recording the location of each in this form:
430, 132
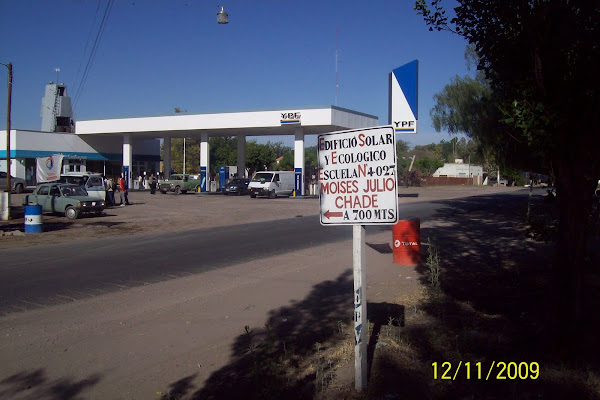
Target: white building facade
458, 169
297, 122
132, 145
93, 154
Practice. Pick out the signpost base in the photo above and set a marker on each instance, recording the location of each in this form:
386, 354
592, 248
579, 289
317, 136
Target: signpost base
361, 324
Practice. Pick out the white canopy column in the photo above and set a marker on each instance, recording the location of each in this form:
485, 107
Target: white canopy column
299, 160
127, 158
204, 162
241, 156
166, 157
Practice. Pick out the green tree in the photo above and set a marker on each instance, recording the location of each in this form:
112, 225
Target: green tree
427, 166
286, 163
310, 158
192, 159
279, 148
402, 157
258, 156
431, 151
223, 152
541, 60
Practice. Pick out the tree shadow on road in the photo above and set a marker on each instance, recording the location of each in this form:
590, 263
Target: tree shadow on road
492, 307
35, 384
291, 356
265, 361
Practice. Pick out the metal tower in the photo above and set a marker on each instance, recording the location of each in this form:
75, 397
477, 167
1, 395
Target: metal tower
56, 113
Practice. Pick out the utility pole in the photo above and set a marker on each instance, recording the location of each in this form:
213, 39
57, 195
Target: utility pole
411, 162
470, 179
498, 169
6, 211
454, 149
336, 66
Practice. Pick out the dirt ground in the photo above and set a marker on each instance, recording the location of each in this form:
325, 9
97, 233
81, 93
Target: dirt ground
170, 213
152, 341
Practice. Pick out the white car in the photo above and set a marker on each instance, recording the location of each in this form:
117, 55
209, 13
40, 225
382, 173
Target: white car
92, 183
272, 184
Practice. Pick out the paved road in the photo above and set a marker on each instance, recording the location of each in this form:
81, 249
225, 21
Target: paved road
46, 275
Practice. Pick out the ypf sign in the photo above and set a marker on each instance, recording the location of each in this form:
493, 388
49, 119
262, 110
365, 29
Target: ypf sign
357, 176
403, 104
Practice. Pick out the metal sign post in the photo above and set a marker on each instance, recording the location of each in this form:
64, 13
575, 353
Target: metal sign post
361, 324
358, 186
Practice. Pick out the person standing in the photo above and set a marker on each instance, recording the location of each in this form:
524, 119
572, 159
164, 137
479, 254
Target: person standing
110, 192
152, 182
124, 189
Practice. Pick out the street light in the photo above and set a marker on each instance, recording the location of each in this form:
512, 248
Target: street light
6, 212
222, 17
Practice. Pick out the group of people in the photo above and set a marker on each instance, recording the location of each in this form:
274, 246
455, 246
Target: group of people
113, 185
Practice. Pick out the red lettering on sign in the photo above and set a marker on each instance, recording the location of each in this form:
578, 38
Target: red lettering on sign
333, 157
362, 170
390, 184
380, 185
357, 201
339, 187
361, 139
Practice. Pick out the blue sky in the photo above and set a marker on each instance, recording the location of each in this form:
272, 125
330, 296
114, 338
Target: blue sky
155, 55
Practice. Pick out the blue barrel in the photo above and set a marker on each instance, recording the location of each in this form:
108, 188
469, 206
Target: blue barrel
33, 219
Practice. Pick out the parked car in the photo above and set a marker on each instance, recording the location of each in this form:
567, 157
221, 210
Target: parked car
67, 198
494, 181
17, 184
272, 184
92, 183
179, 183
237, 186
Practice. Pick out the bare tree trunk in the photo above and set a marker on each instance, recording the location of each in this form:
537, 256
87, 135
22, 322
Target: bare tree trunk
575, 200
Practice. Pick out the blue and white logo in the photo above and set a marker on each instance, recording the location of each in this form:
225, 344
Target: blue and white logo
404, 98
290, 118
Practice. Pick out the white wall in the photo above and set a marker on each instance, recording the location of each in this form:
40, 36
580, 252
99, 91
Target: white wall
55, 142
3, 140
354, 120
50, 142
455, 170
14, 168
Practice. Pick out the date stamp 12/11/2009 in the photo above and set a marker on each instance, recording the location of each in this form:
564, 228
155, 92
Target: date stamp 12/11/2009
500, 370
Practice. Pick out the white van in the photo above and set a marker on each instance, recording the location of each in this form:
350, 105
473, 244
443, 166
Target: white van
92, 183
272, 184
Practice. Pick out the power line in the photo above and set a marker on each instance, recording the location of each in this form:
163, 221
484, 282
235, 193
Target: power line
90, 61
87, 43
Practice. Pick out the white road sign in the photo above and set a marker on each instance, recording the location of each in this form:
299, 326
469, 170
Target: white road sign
357, 177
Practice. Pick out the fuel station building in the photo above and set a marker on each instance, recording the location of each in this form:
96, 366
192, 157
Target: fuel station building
132, 145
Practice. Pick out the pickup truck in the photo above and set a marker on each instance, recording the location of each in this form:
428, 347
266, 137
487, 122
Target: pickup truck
179, 183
